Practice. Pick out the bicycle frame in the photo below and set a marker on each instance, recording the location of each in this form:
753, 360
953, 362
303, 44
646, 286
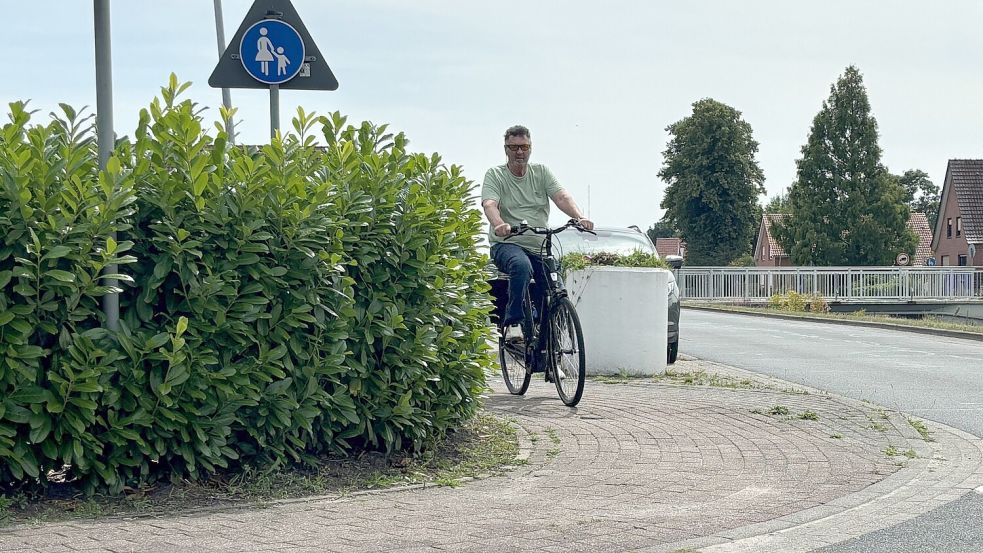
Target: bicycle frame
536, 354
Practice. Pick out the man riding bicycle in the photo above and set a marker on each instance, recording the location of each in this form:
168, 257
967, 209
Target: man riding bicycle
513, 193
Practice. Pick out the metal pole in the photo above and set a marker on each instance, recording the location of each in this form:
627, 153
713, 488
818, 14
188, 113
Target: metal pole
105, 136
226, 95
274, 110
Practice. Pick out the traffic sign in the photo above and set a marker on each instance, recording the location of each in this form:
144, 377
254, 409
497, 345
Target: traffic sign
902, 258
252, 62
930, 262
271, 51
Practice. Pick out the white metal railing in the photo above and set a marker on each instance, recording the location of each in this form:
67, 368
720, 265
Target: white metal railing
845, 284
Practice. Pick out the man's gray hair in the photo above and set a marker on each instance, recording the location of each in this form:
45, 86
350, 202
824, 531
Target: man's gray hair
517, 130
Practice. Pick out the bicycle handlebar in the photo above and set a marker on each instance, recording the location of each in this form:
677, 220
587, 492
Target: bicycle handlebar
524, 228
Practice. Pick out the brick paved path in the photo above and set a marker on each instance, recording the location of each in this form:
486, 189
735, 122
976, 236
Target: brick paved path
635, 467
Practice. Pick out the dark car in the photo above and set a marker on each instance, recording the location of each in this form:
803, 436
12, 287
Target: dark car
625, 241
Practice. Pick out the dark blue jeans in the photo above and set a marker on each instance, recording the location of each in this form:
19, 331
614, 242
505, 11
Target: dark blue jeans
520, 265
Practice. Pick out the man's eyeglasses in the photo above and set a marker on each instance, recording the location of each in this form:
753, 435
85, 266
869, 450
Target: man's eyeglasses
517, 147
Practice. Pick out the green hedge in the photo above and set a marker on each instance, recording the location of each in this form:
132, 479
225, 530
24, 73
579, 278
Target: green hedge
281, 302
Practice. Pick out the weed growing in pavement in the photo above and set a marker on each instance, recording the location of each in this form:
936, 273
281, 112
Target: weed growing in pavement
922, 429
836, 436
757, 412
447, 482
778, 410
910, 454
891, 451
874, 425
808, 416
555, 439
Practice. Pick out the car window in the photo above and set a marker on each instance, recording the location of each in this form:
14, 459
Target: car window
614, 241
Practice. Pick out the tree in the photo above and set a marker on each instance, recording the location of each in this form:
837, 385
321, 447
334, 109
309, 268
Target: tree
921, 194
844, 207
777, 204
713, 183
661, 230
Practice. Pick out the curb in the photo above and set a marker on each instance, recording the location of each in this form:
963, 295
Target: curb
870, 324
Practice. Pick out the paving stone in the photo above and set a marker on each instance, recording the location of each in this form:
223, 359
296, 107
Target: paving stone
640, 467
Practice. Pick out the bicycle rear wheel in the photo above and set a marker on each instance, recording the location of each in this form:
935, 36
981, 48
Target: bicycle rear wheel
567, 360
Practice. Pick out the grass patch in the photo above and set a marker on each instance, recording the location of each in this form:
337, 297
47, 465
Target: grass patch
910, 454
928, 322
485, 446
808, 416
922, 430
891, 451
691, 378
555, 440
778, 410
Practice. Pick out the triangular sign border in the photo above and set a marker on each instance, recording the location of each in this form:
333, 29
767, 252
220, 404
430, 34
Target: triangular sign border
229, 73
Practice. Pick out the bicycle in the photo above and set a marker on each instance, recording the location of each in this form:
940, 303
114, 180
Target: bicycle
554, 342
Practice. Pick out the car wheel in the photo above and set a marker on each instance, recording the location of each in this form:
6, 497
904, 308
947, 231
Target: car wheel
673, 351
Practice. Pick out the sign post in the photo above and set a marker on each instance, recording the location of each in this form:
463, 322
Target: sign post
226, 96
273, 49
105, 135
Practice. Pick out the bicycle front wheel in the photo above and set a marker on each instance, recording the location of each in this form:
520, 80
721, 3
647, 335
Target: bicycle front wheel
515, 371
567, 358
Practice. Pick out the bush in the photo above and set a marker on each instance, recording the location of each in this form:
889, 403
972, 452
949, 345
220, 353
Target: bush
56, 212
576, 260
789, 301
746, 260
286, 300
796, 302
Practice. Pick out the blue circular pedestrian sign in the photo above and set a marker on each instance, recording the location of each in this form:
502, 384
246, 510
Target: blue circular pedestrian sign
272, 51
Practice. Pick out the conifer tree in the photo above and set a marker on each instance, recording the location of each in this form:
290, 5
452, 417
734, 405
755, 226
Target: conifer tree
844, 207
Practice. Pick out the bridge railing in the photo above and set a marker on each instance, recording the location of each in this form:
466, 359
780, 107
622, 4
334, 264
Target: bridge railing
845, 284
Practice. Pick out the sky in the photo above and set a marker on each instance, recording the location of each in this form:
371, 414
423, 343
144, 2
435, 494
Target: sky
596, 82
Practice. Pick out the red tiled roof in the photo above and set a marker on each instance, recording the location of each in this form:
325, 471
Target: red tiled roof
775, 247
668, 246
967, 180
918, 223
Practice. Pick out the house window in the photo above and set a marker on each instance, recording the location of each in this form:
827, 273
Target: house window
945, 260
959, 226
948, 228
961, 260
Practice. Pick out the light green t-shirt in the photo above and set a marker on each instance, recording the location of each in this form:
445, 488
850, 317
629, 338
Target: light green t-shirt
525, 198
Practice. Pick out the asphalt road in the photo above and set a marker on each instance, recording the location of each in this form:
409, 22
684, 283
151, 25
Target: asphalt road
937, 378
934, 377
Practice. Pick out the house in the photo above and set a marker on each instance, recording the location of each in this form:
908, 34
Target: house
670, 246
918, 223
959, 231
768, 252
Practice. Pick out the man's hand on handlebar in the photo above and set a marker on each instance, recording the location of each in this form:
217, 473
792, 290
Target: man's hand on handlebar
503, 230
586, 223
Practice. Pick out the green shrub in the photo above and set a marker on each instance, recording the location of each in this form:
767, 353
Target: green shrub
789, 301
816, 303
57, 213
796, 302
286, 300
576, 260
746, 260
